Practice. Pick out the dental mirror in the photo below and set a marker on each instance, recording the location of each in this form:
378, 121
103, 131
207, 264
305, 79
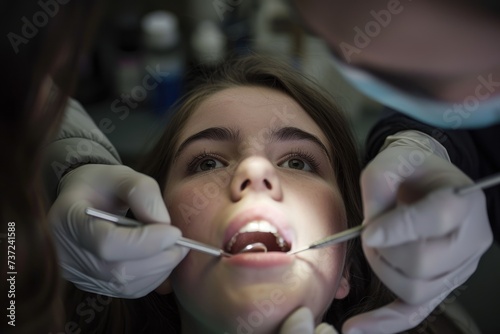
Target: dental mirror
256, 247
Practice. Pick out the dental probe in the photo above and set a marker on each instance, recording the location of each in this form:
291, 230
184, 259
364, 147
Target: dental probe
185, 242
332, 239
356, 231
488, 181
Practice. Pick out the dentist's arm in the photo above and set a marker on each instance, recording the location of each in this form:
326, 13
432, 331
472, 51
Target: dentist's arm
421, 239
83, 169
78, 142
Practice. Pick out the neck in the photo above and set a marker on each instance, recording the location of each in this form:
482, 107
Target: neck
192, 325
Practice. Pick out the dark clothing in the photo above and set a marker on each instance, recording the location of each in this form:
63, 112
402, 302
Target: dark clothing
475, 152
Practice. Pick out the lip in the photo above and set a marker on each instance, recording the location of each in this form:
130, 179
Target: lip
259, 260
272, 215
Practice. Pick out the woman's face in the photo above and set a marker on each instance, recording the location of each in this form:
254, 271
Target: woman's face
252, 166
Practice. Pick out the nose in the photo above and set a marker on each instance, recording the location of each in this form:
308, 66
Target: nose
255, 175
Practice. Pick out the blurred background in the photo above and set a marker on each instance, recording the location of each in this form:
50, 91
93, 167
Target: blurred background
139, 39
135, 69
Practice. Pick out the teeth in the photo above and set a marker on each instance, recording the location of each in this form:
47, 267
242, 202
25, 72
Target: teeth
258, 226
280, 241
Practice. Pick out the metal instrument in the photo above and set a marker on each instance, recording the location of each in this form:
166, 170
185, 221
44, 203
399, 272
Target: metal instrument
185, 242
356, 231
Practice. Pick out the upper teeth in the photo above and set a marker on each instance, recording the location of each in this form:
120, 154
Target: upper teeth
258, 226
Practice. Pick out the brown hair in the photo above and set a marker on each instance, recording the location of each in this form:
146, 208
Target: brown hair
34, 50
156, 313
263, 71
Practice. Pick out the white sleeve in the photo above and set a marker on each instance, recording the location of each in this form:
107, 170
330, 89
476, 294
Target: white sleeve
417, 139
79, 141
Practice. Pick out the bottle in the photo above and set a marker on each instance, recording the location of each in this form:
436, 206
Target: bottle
208, 43
164, 60
128, 63
275, 33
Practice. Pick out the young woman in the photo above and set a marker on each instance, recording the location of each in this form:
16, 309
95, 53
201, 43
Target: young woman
254, 153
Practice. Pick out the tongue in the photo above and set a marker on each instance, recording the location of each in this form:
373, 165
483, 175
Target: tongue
247, 238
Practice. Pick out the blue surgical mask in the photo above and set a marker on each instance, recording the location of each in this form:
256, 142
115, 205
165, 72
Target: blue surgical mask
479, 110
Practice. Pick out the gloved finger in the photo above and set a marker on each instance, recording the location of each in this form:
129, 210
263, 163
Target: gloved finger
425, 259
395, 169
142, 194
378, 193
131, 279
437, 214
395, 317
324, 328
415, 291
110, 242
429, 258
299, 322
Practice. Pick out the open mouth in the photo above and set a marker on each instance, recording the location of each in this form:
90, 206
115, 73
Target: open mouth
260, 233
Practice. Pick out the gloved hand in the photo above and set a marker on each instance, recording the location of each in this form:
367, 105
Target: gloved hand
100, 257
302, 322
421, 239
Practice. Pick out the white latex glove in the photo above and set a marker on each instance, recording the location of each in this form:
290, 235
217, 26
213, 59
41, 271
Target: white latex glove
100, 257
302, 322
421, 251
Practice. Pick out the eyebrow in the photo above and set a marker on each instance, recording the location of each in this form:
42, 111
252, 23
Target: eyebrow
228, 134
216, 133
292, 133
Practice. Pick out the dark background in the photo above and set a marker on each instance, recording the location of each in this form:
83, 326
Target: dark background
134, 134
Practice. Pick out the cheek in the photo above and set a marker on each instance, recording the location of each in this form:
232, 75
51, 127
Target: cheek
330, 262
319, 278
191, 204
319, 211
335, 258
328, 204
320, 206
192, 211
180, 207
331, 212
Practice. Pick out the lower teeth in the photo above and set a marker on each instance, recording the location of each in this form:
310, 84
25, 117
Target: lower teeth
280, 242
256, 247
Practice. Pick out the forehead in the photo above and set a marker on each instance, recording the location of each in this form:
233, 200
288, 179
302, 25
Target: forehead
250, 110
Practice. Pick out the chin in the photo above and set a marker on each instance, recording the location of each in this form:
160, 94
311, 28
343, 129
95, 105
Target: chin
251, 309
261, 319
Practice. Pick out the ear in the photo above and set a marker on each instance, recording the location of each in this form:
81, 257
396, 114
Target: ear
344, 286
165, 288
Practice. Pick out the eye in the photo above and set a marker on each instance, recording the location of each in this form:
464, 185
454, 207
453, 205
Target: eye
205, 162
298, 163
300, 160
208, 164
